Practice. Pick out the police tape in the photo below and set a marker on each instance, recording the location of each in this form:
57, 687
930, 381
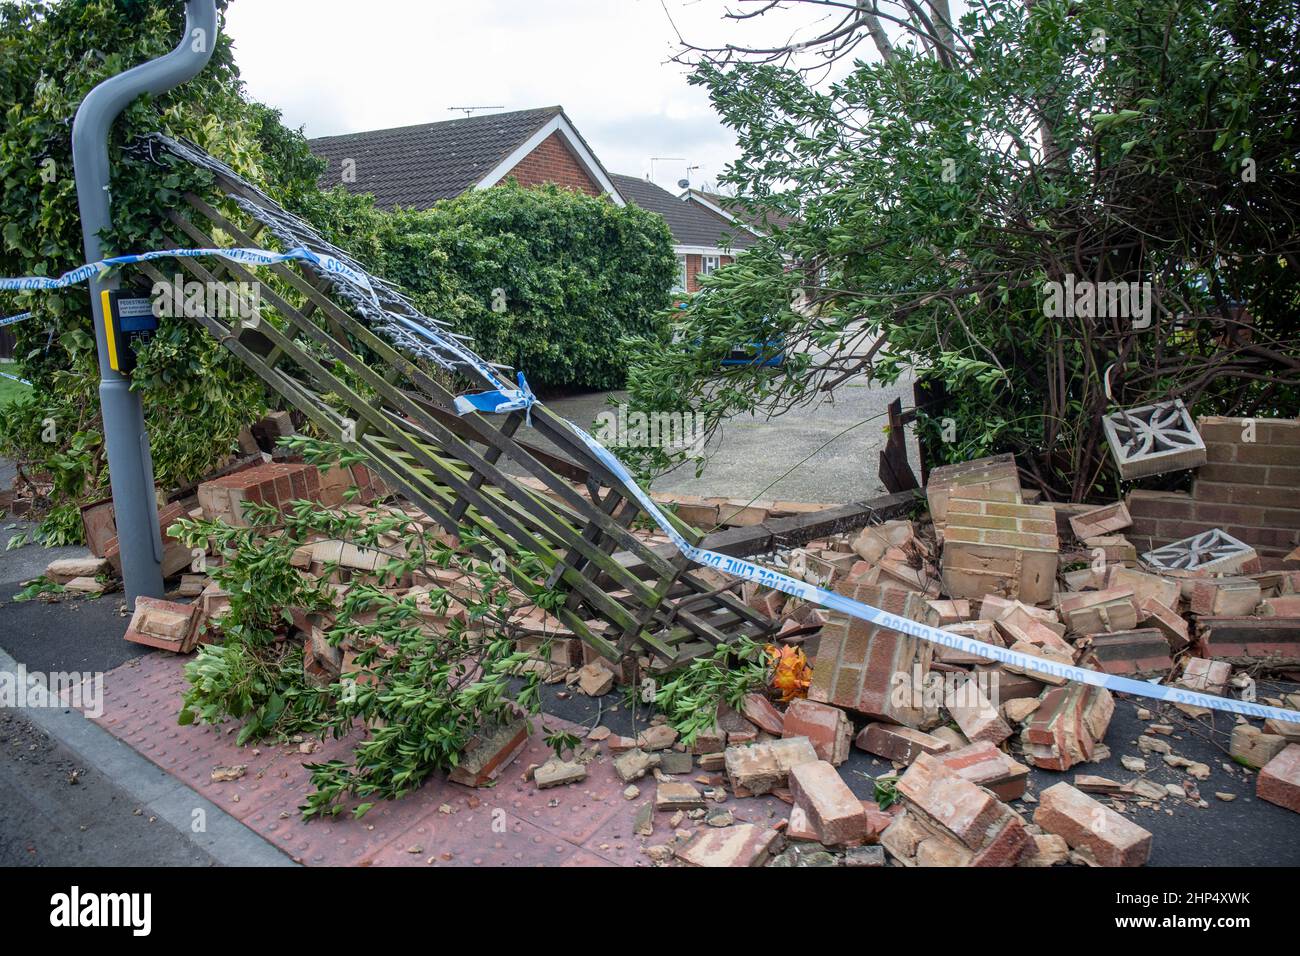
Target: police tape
245, 256
504, 398
508, 399
15, 319
14, 378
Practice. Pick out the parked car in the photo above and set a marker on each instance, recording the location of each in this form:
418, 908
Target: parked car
768, 353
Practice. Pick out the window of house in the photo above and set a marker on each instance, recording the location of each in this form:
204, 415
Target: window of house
679, 285
708, 265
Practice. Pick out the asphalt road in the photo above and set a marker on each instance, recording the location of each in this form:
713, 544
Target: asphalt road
59, 806
60, 812
826, 452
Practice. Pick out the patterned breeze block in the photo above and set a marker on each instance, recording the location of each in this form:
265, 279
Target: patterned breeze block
1213, 550
1153, 439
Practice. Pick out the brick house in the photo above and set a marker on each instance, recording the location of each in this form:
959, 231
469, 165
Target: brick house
756, 219
702, 238
412, 167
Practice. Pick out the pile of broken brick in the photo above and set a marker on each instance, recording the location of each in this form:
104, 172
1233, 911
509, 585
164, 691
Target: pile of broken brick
1059, 581
1076, 584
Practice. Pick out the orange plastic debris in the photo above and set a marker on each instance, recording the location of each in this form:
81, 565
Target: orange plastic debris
791, 674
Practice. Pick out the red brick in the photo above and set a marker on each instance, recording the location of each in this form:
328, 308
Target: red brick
861, 666
1169, 623
551, 161
1288, 605
827, 727
950, 612
1257, 495
833, 810
274, 483
1225, 597
1085, 824
1101, 521
761, 712
973, 712
1205, 676
167, 625
1141, 651
1066, 729
1216, 471
1018, 623
983, 631
1261, 454
488, 753
1280, 476
763, 767
1159, 504
100, 526
1250, 637
954, 821
898, 744
986, 766
1090, 612
959, 806
742, 844
176, 556
997, 474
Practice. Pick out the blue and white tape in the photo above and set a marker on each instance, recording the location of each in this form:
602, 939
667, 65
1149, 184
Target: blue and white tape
14, 378
837, 602
500, 401
252, 257
505, 398
15, 319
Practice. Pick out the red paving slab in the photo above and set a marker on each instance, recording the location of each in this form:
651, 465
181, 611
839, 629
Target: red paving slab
441, 824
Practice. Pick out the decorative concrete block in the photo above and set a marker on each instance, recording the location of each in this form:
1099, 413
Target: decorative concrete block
1153, 439
1213, 550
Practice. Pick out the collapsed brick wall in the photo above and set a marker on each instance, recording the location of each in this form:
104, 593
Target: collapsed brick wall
1249, 487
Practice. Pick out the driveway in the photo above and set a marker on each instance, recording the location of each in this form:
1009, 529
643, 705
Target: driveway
827, 451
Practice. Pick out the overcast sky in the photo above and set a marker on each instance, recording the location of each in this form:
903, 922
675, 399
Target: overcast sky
342, 66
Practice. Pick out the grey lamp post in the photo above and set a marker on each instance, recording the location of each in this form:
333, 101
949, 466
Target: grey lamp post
130, 465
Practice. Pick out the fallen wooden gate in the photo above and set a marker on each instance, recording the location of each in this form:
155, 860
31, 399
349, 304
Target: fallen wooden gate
396, 398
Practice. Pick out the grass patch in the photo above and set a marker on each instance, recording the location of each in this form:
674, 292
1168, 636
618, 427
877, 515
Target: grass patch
9, 389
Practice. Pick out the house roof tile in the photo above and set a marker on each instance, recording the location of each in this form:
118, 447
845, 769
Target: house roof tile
690, 223
415, 166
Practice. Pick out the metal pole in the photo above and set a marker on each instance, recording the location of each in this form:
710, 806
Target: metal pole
130, 465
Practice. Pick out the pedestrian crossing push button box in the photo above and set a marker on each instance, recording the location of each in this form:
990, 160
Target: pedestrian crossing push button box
128, 319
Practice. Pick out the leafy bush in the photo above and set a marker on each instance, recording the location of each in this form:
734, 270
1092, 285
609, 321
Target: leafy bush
575, 273
423, 690
578, 277
546, 279
196, 397
691, 696
937, 189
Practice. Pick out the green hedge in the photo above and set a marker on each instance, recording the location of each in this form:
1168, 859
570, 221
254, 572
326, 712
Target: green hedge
196, 397
576, 273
